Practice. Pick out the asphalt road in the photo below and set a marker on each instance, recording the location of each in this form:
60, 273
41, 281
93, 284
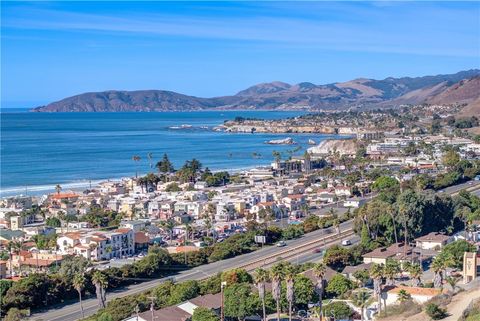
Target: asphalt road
71, 310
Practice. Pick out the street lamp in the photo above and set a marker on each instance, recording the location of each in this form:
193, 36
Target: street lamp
222, 313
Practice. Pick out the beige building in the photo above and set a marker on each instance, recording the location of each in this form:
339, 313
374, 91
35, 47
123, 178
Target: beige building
432, 241
471, 266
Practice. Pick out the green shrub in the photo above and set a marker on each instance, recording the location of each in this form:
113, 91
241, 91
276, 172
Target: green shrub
435, 312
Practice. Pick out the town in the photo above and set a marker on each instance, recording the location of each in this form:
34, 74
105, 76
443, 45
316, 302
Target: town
384, 223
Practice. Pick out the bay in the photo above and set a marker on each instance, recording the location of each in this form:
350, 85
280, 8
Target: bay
40, 150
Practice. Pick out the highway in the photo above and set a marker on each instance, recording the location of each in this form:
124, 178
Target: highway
262, 257
71, 310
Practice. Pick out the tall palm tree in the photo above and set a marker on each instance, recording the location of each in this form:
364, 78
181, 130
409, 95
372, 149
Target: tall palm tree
101, 282
79, 284
276, 275
319, 273
376, 273
136, 159
415, 271
58, 188
290, 273
361, 299
261, 277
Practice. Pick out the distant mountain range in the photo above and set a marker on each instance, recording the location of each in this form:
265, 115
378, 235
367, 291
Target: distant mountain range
462, 87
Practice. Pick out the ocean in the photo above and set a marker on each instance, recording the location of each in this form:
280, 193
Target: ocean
40, 150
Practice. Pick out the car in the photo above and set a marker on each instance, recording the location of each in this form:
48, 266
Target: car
346, 242
302, 313
281, 244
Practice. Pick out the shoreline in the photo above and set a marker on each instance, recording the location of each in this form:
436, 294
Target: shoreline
82, 185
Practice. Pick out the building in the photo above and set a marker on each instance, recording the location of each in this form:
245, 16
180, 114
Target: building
419, 295
432, 240
396, 252
3, 269
471, 266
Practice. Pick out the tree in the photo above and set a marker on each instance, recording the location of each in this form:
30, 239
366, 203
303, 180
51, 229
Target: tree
455, 251
290, 281
450, 158
337, 257
439, 264
415, 271
390, 271
361, 299
276, 275
79, 283
100, 281
319, 270
339, 285
58, 188
403, 296
136, 159
204, 314
452, 281
15, 314
376, 273
261, 277
238, 302
339, 310
164, 166
72, 265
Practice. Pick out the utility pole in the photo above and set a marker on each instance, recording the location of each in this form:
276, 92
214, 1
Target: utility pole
222, 312
152, 310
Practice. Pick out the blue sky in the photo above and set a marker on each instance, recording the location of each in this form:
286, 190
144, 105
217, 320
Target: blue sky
51, 50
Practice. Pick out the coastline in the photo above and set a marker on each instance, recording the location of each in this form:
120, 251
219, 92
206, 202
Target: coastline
81, 185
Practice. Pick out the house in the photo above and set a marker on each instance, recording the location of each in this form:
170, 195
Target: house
354, 203
3, 269
396, 252
136, 225
9, 235
419, 295
172, 313
432, 240
294, 202
142, 241
350, 270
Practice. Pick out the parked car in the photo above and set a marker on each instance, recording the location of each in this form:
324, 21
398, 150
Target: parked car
346, 242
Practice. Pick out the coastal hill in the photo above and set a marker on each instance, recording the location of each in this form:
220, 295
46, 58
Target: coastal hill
462, 87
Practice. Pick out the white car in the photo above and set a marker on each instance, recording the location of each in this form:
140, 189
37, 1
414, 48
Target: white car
346, 242
281, 244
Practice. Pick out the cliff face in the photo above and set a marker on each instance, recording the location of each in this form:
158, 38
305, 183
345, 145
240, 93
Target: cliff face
342, 147
356, 93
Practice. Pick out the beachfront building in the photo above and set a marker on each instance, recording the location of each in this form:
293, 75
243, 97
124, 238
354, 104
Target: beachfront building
98, 246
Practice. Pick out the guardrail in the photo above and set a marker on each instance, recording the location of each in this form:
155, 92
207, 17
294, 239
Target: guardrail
292, 251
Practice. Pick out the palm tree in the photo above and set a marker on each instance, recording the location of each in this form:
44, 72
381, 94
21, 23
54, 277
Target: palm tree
439, 264
361, 299
58, 188
403, 296
415, 271
319, 273
136, 159
150, 157
376, 273
452, 281
17, 247
79, 284
290, 282
276, 275
390, 271
101, 282
261, 276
